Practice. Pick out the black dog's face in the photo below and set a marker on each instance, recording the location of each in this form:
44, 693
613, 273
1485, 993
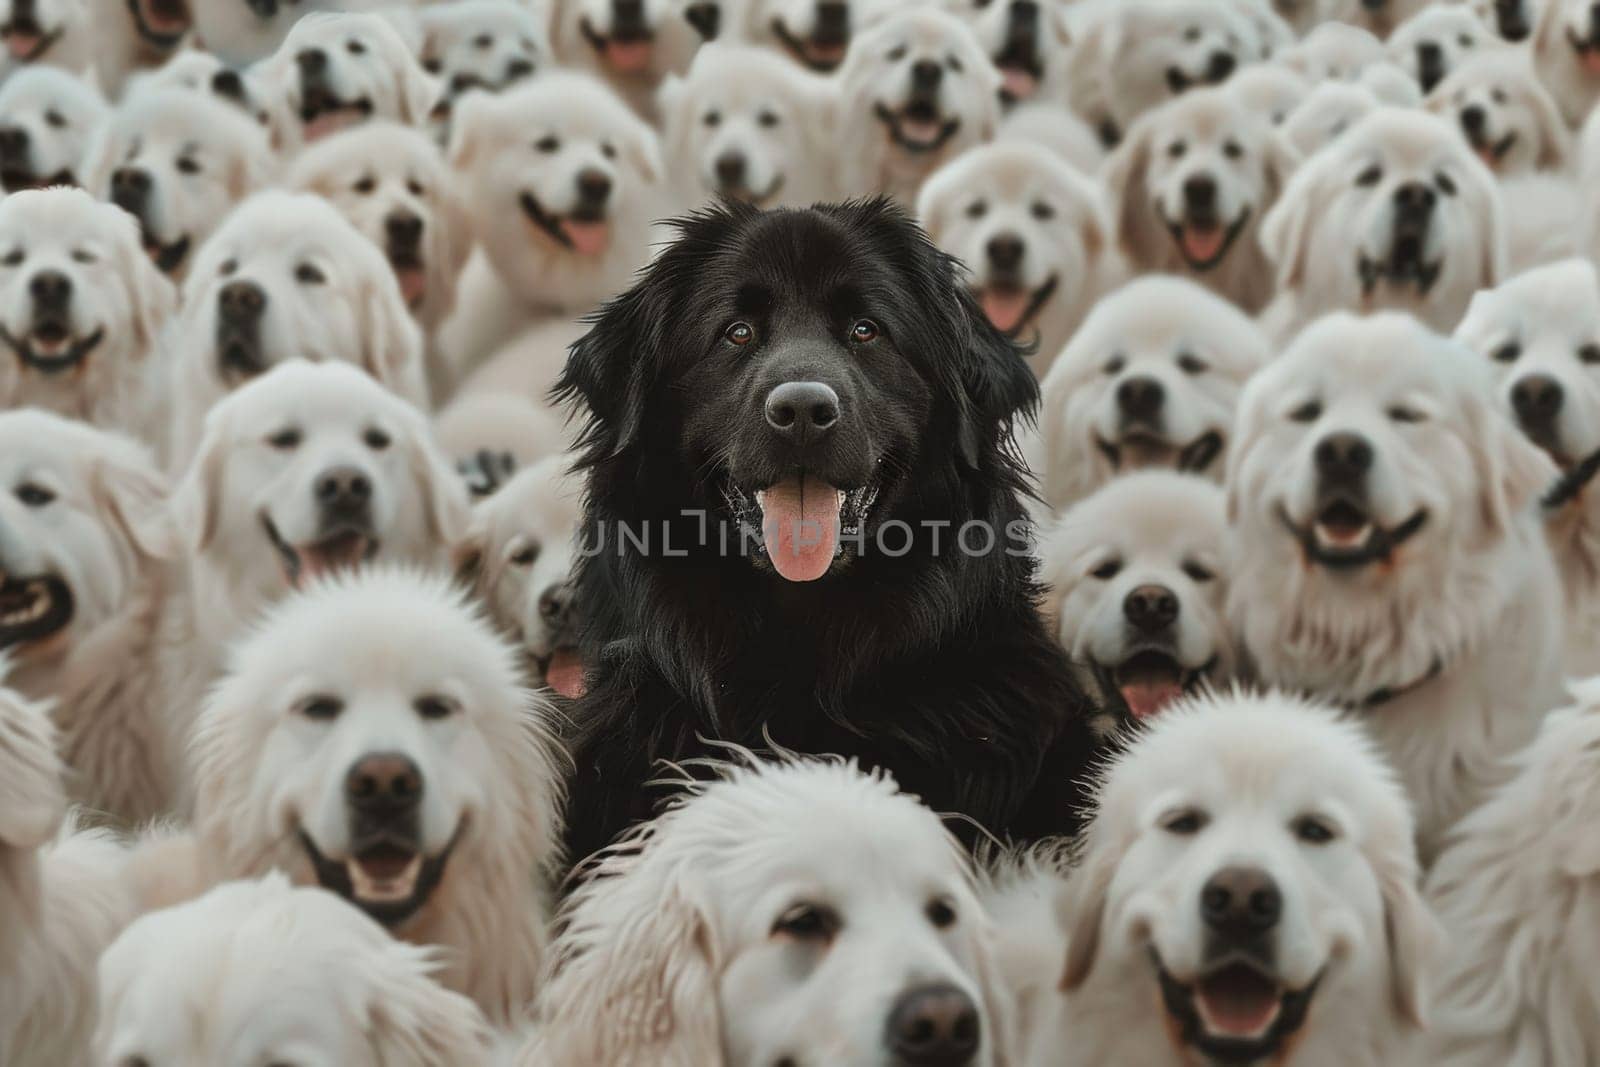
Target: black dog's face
808, 370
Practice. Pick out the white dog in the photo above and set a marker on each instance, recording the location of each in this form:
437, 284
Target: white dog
1189, 187
178, 161
1333, 51
1379, 17
1505, 113
1397, 213
1539, 334
796, 912
632, 44
285, 276
1388, 555
485, 45
915, 90
519, 553
1515, 888
1432, 43
1135, 585
1566, 53
260, 972
82, 310
1270, 89
372, 736
1150, 380
744, 124
1326, 112
1250, 875
814, 33
1034, 235
1030, 44
59, 33
48, 118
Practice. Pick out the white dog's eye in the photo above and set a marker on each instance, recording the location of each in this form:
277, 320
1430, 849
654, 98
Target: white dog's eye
711, 119
941, 913
1114, 365
1400, 413
1185, 823
608, 150
548, 144
1310, 411
1446, 184
376, 439
954, 63
285, 439
896, 54
365, 184
320, 707
1370, 177
1176, 149
416, 188
188, 165
355, 47
1190, 363
1498, 96
807, 922
84, 256
1506, 353
1198, 572
977, 209
483, 42
309, 274
435, 707
228, 267
526, 555
768, 119
135, 1061
1191, 34
1107, 570
1466, 42
1043, 211
1313, 830
1233, 149
14, 257
34, 496
55, 119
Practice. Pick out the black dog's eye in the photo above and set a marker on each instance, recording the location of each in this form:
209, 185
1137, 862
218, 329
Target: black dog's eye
1446, 184
768, 119
228, 267
712, 119
355, 47
1370, 177
56, 119
807, 922
739, 333
188, 165
365, 184
1107, 570
1589, 353
1506, 353
526, 555
897, 53
941, 913
1198, 572
1310, 411
435, 707
286, 439
1043, 211
977, 209
1185, 823
865, 331
33, 495
548, 144
13, 257
321, 708
1190, 363
1313, 830
376, 439
1232, 149
309, 274
1176, 149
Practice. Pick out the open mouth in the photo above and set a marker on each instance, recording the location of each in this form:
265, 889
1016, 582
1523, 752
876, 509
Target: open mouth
16, 179
32, 609
322, 113
587, 236
1150, 679
1587, 49
1403, 266
626, 52
1344, 536
563, 671
819, 55
802, 525
761, 199
1235, 1012
1137, 449
918, 127
26, 41
1012, 309
160, 22
343, 550
412, 274
1492, 152
1204, 243
390, 879
50, 346
1020, 69
167, 257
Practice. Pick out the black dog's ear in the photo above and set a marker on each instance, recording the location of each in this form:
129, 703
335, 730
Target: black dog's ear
999, 383
605, 375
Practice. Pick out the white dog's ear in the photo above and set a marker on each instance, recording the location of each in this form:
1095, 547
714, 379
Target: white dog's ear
1084, 904
998, 1001
1512, 471
419, 93
392, 350
471, 117
414, 1022
105, 148
135, 494
253, 168
33, 799
1280, 163
1555, 140
444, 492
1415, 940
1124, 178
643, 149
1487, 207
454, 226
1286, 230
197, 501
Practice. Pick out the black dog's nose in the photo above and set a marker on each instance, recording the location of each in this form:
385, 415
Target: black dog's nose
1024, 16
241, 302
803, 411
1221, 65
1414, 200
1537, 400
1005, 250
731, 170
926, 75
343, 488
1430, 65
311, 60
463, 80
518, 68
1141, 398
594, 186
1343, 456
555, 603
50, 289
936, 1026
13, 142
1473, 119
383, 783
832, 14
130, 189
227, 83
1151, 607
1374, 5
1241, 902
403, 229
1200, 192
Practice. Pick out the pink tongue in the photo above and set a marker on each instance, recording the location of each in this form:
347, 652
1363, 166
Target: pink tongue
331, 122
565, 673
825, 53
1591, 60
628, 57
921, 131
800, 524
1019, 83
413, 284
1005, 309
22, 44
1146, 699
588, 238
1487, 155
1241, 1005
1202, 244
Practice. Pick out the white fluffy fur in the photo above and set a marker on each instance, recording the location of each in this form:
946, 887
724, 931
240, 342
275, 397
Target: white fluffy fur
60, 113
1523, 130
1572, 78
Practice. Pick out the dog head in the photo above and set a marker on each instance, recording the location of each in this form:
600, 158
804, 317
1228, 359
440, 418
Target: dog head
1434, 42
519, 553
1029, 42
391, 182
1270, 89
1150, 380
634, 40
1570, 28
1333, 51
277, 972
1149, 51
47, 120
1326, 112
311, 469
1505, 113
1135, 582
1195, 176
815, 33
759, 937
372, 736
480, 44
740, 125
1512, 19
1251, 870
40, 31
338, 69
1397, 213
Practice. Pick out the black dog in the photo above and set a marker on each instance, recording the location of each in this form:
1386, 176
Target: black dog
798, 450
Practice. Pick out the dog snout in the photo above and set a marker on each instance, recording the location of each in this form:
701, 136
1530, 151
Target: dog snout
14, 142
404, 231
51, 290
1141, 398
518, 68
383, 784
1414, 201
1473, 120
1239, 903
343, 489
311, 61
227, 83
1005, 250
926, 76
804, 412
1200, 193
731, 168
241, 303
594, 187
936, 1026
1220, 66
555, 605
1344, 457
130, 189
1537, 400
1150, 608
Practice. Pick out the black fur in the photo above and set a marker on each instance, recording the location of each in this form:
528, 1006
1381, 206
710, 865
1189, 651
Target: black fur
934, 665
